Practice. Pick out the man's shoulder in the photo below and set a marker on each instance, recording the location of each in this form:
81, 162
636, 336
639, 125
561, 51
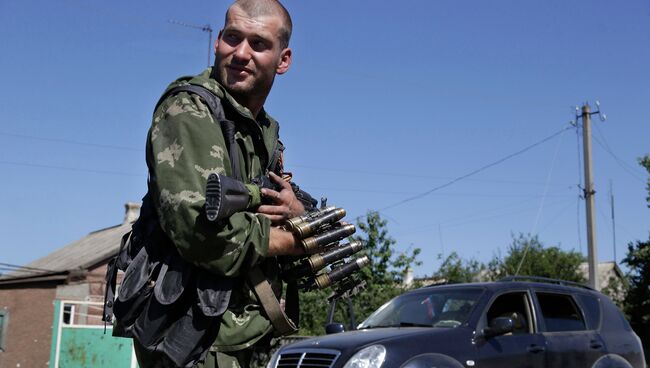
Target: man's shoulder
174, 103
201, 80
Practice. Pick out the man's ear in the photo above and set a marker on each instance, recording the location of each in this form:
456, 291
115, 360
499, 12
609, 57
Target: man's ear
284, 62
216, 42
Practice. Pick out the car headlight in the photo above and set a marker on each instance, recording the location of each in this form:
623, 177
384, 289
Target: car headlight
371, 357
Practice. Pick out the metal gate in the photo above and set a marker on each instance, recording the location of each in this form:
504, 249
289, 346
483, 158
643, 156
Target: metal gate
79, 339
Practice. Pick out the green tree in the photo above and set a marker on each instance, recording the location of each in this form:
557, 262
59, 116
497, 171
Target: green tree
383, 279
645, 162
454, 269
379, 247
538, 260
637, 298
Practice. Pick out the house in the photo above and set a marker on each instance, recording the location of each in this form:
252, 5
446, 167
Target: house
610, 278
50, 310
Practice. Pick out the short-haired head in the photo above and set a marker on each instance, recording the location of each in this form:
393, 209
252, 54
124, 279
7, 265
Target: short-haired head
259, 8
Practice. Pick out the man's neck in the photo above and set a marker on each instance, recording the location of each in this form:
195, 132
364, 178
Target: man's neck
254, 105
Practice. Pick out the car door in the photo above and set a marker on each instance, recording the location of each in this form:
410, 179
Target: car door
524, 347
570, 342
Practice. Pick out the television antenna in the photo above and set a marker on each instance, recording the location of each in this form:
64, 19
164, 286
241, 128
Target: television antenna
205, 28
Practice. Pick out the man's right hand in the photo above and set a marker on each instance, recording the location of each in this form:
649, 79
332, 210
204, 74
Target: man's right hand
284, 204
283, 243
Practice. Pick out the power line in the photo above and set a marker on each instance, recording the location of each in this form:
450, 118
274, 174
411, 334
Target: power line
548, 180
500, 215
480, 216
464, 195
64, 168
625, 166
555, 217
404, 175
517, 153
67, 141
541, 204
355, 171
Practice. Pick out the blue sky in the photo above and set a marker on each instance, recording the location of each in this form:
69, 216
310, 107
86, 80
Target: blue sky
385, 100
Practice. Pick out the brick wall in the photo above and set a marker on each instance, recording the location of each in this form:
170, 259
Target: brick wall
29, 327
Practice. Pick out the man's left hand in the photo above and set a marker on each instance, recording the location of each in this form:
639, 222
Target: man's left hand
284, 204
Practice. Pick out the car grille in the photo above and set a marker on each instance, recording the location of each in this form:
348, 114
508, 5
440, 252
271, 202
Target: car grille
316, 358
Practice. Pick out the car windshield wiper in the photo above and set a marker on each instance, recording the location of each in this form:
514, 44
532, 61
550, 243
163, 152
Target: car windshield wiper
375, 326
410, 324
370, 327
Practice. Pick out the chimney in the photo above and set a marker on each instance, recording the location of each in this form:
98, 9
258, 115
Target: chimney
408, 277
131, 212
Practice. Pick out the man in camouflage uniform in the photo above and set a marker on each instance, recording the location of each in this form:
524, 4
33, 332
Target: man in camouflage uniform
185, 144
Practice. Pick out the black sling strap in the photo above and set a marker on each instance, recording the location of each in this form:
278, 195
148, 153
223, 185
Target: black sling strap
282, 323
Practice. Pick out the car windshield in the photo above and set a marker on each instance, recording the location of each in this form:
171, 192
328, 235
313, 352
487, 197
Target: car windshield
438, 308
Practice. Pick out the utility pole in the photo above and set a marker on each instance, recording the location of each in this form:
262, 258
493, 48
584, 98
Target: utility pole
589, 193
205, 28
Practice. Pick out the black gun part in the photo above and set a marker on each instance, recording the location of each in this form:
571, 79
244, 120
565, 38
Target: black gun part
212, 197
224, 196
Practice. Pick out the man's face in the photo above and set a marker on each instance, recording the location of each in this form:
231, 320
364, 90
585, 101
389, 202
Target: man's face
248, 55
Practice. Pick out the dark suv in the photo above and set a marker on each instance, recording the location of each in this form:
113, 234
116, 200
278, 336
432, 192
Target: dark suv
508, 323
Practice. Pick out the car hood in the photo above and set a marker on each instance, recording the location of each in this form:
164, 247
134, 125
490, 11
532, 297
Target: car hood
359, 338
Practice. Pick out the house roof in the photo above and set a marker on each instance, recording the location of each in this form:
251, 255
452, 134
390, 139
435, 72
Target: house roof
90, 250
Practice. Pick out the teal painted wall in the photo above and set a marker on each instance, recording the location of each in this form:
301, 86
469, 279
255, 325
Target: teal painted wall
90, 347
83, 347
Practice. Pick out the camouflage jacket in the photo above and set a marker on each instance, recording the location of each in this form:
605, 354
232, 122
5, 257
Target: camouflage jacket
184, 145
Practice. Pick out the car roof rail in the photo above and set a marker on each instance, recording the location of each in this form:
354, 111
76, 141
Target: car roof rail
547, 280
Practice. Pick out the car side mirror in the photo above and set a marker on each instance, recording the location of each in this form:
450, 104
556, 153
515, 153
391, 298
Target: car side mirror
332, 328
499, 326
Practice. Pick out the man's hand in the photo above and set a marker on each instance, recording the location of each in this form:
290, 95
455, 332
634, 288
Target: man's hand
284, 205
283, 243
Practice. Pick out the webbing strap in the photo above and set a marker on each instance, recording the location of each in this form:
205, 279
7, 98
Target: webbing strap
281, 323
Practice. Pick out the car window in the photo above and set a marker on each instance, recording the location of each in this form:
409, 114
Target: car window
560, 312
513, 305
591, 306
437, 308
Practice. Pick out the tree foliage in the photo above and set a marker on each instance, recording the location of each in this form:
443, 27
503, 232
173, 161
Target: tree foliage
637, 298
538, 260
383, 278
645, 162
386, 267
455, 270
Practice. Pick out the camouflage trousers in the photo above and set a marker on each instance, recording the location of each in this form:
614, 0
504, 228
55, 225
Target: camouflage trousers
235, 359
